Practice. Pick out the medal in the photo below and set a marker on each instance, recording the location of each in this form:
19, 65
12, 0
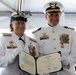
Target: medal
32, 50
64, 38
62, 46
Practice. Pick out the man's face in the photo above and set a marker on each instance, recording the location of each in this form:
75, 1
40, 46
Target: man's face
53, 18
18, 27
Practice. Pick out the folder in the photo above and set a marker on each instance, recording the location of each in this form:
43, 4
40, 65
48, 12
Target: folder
44, 64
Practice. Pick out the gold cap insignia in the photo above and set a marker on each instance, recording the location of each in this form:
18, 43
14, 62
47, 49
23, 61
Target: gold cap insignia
19, 14
53, 5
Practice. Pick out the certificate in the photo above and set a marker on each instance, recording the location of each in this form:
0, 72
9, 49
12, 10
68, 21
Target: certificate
45, 64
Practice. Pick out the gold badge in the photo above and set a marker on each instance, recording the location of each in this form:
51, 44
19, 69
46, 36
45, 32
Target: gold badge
11, 45
44, 36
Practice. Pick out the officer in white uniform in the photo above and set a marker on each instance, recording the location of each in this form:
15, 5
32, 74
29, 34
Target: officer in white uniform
54, 38
11, 45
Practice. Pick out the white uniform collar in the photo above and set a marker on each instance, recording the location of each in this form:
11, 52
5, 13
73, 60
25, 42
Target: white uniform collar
54, 26
23, 37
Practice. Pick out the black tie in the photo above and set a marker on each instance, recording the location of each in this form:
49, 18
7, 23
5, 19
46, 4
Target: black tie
22, 40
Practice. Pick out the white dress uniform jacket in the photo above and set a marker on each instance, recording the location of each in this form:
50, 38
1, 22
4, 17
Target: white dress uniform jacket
7, 45
58, 38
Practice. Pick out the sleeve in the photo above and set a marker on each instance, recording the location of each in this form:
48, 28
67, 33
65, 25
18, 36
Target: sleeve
2, 46
35, 35
72, 55
3, 58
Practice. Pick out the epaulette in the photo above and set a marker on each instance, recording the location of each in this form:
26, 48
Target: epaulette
69, 27
6, 34
36, 30
32, 39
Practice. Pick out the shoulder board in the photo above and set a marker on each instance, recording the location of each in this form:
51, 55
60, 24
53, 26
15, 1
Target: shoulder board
6, 34
68, 27
32, 39
36, 30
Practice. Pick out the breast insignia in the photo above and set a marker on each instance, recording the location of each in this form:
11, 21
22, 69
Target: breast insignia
44, 36
6, 34
68, 27
11, 45
36, 30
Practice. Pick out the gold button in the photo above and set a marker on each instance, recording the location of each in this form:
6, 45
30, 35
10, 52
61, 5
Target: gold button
44, 42
52, 31
21, 74
54, 39
54, 48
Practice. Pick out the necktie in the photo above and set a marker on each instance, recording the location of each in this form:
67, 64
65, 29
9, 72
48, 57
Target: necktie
22, 40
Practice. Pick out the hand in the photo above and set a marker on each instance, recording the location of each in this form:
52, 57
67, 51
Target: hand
5, 60
64, 60
14, 54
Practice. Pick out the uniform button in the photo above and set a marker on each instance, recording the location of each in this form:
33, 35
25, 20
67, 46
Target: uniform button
54, 39
52, 31
55, 48
21, 74
44, 42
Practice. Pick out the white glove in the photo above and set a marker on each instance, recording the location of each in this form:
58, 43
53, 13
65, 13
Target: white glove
14, 54
64, 60
5, 60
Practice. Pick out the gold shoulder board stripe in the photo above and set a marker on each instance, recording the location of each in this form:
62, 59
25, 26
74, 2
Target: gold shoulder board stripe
32, 39
68, 27
36, 30
6, 34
